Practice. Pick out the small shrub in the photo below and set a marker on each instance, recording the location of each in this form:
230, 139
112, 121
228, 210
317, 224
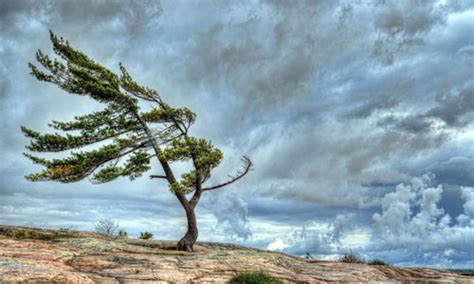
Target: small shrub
351, 257
106, 227
146, 236
254, 278
377, 261
122, 233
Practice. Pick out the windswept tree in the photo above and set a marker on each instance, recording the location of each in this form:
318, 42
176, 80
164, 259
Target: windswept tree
127, 138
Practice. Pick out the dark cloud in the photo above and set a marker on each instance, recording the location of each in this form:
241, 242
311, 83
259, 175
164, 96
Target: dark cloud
455, 170
453, 108
410, 124
403, 25
297, 86
133, 15
366, 108
10, 11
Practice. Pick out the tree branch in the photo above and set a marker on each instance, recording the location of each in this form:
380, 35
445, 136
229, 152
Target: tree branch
158, 176
240, 174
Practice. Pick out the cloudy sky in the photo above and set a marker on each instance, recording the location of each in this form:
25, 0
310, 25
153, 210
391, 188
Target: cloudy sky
357, 116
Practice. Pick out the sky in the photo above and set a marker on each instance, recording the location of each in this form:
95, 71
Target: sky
356, 114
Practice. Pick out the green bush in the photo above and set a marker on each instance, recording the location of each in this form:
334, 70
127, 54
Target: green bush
254, 278
146, 236
377, 261
351, 257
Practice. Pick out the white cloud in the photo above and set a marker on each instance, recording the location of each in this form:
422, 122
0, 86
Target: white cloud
277, 244
413, 228
468, 194
231, 213
318, 239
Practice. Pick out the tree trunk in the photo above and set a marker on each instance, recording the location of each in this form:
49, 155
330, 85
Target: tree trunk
186, 243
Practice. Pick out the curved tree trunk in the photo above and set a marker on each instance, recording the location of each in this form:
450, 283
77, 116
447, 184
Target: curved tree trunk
189, 239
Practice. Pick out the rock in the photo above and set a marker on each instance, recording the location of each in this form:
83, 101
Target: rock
43, 256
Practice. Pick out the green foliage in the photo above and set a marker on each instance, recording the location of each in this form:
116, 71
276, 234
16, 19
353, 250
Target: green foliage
254, 278
377, 261
146, 236
136, 165
120, 124
81, 164
168, 114
352, 257
203, 155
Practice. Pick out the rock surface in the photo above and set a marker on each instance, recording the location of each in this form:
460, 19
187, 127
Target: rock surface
44, 256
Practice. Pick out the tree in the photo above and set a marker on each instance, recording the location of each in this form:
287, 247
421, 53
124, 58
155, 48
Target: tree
127, 138
146, 236
107, 227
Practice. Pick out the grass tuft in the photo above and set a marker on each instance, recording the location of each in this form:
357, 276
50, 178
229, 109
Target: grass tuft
254, 278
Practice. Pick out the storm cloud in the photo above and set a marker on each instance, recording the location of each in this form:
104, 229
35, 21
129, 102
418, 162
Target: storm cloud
357, 116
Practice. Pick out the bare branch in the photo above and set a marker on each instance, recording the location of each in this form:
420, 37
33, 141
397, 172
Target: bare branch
106, 227
240, 174
158, 176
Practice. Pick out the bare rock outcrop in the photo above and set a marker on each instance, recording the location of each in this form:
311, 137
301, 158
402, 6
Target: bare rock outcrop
44, 256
